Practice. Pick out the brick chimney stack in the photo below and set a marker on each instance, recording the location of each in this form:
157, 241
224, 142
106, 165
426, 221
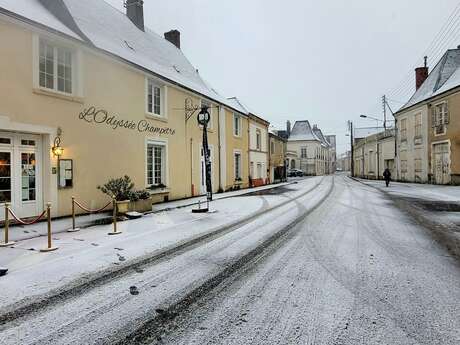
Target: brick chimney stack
173, 36
421, 73
288, 128
135, 12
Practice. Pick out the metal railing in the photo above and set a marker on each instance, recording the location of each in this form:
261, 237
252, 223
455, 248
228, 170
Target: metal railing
86, 209
9, 211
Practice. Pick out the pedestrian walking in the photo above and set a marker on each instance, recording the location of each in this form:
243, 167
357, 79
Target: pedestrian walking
387, 176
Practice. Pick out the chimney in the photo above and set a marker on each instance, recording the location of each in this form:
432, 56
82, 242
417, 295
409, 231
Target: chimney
421, 73
288, 128
173, 36
135, 12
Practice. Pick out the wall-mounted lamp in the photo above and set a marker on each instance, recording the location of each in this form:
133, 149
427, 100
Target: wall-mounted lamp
57, 148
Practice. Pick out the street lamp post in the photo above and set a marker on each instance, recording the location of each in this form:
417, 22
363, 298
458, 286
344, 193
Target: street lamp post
352, 161
374, 118
203, 120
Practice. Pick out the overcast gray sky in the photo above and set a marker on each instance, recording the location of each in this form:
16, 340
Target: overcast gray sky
325, 61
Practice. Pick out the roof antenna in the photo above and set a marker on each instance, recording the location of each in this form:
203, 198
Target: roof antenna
426, 59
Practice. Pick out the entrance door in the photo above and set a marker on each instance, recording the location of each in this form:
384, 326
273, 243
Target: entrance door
441, 165
20, 183
203, 170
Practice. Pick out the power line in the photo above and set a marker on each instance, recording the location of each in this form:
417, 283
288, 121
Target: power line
436, 48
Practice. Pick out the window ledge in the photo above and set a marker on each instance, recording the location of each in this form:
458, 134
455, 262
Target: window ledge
71, 98
156, 117
160, 191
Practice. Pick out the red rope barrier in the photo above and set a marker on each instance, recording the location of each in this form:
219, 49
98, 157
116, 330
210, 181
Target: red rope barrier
26, 223
92, 211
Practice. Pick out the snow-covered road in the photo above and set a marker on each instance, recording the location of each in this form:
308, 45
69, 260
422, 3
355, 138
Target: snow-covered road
356, 271
337, 264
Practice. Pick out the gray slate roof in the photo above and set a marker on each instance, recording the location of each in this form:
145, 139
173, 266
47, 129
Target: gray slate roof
99, 24
444, 77
320, 136
302, 131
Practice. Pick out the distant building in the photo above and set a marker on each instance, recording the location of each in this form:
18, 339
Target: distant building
344, 161
373, 154
333, 142
277, 158
308, 149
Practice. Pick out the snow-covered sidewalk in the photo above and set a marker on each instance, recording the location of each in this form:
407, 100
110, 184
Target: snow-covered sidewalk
20, 232
436, 207
81, 256
417, 190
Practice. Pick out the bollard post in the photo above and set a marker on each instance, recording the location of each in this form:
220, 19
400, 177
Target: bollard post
74, 229
115, 207
7, 242
48, 220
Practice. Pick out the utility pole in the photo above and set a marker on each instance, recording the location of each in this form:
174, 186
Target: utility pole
384, 104
352, 160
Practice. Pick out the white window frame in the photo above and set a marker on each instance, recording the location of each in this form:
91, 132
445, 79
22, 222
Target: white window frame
163, 115
235, 174
258, 139
440, 119
237, 119
303, 156
76, 66
165, 168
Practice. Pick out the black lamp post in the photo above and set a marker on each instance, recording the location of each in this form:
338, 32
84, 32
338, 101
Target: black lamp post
203, 120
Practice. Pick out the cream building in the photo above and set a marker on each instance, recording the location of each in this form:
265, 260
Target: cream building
277, 157
112, 94
258, 145
373, 154
308, 150
428, 133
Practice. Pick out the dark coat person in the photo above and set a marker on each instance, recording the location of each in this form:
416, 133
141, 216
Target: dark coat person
387, 176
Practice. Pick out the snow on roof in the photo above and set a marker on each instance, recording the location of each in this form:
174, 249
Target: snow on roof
444, 77
34, 11
359, 133
112, 31
302, 131
237, 105
320, 136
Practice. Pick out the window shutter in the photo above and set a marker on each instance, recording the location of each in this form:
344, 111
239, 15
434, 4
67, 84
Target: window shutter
446, 114
433, 116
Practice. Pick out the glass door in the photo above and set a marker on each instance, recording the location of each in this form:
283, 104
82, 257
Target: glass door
27, 176
5, 177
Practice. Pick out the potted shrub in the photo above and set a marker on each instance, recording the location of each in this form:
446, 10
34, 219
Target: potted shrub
127, 198
121, 189
140, 201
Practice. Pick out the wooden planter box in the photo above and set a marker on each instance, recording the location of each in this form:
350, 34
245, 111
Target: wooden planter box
123, 206
140, 206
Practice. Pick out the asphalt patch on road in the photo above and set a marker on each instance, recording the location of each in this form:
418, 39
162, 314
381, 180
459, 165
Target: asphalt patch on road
436, 206
271, 191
